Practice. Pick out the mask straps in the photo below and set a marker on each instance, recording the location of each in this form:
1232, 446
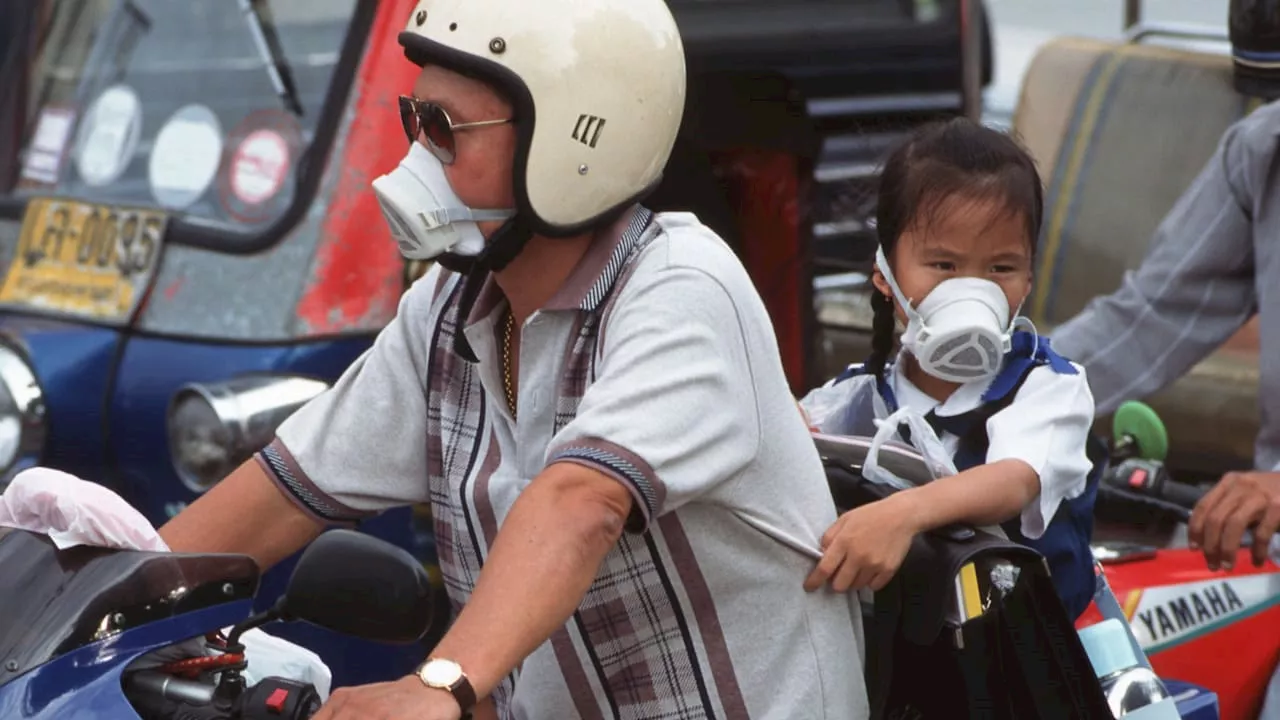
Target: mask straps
1019, 318
883, 263
447, 216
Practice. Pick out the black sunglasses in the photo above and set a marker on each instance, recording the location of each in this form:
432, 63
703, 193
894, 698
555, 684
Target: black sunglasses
432, 122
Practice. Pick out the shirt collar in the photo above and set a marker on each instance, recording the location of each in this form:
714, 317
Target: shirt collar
593, 277
590, 282
966, 397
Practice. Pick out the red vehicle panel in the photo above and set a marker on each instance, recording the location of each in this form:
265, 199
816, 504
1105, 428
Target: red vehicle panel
1220, 630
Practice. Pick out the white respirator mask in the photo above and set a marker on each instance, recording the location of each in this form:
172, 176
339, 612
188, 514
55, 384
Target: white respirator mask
426, 217
962, 329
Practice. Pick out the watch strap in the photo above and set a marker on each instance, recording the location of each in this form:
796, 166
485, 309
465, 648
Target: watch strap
464, 694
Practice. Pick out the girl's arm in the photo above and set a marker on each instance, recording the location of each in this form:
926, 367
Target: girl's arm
985, 495
866, 545
1036, 459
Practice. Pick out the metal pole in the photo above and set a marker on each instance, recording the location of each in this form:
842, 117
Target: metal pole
971, 58
1132, 13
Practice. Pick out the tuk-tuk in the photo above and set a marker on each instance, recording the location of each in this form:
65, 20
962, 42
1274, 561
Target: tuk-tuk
189, 249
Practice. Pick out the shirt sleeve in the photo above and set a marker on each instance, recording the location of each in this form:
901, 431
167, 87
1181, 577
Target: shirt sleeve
1196, 286
672, 412
359, 447
1046, 426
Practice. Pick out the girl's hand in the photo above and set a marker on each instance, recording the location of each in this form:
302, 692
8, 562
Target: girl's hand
865, 546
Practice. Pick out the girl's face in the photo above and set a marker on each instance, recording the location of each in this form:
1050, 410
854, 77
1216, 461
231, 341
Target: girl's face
963, 238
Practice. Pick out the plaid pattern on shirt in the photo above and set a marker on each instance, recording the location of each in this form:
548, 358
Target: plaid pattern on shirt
635, 637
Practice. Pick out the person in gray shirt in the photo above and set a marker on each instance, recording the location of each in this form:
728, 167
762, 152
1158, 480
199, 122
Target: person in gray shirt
1205, 277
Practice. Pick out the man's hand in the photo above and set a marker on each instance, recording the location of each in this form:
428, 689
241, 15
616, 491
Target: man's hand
1239, 501
404, 699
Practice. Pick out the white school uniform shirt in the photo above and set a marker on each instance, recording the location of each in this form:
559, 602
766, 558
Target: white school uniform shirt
1046, 426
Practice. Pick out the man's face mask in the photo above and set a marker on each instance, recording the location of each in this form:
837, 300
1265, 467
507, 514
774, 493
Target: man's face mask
426, 217
961, 331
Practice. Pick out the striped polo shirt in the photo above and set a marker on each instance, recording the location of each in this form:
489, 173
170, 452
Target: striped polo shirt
656, 364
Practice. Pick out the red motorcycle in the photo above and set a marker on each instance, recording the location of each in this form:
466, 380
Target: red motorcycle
1216, 629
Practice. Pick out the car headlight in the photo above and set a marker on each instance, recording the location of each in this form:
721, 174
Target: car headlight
215, 427
23, 424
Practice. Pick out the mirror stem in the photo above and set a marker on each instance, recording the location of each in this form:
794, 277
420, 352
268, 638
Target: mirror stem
249, 623
231, 684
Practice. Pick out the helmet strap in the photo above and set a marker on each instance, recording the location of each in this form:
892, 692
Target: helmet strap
503, 246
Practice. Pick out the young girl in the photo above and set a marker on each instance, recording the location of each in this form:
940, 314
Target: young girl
959, 212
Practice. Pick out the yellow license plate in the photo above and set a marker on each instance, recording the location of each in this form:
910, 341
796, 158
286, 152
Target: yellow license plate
83, 260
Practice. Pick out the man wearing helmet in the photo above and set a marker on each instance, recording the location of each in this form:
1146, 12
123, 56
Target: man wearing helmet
1212, 266
590, 397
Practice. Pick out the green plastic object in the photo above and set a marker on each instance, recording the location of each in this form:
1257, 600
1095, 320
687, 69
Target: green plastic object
1140, 422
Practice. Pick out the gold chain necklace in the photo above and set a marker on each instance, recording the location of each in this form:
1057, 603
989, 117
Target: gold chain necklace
507, 380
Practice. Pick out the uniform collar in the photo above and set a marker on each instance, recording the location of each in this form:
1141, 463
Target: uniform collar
965, 398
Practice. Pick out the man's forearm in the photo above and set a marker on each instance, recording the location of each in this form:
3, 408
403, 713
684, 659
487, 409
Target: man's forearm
1192, 291
540, 566
245, 513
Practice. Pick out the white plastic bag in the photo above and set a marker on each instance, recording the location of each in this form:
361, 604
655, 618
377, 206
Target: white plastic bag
75, 512
923, 439
826, 407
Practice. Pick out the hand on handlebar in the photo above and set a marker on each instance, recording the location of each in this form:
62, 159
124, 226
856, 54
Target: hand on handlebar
1239, 501
404, 699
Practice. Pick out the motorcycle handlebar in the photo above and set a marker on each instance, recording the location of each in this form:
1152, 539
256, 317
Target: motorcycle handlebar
1147, 483
1182, 494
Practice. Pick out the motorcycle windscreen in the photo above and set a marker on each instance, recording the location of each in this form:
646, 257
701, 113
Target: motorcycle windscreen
54, 601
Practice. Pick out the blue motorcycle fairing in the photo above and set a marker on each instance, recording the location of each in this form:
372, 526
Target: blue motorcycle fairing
56, 601
85, 684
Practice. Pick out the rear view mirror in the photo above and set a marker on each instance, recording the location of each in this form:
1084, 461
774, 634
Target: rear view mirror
358, 585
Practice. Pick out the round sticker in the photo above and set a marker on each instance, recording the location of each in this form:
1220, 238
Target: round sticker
185, 157
259, 166
109, 135
255, 183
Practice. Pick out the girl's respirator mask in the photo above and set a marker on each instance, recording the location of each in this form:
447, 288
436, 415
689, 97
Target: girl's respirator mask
962, 329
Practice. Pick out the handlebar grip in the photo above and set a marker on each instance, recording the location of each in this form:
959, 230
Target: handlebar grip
1181, 494
1146, 483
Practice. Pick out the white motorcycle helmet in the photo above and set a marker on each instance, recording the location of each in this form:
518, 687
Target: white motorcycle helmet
597, 87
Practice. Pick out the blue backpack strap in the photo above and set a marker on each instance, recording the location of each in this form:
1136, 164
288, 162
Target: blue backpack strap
1065, 543
853, 371
882, 386
1028, 352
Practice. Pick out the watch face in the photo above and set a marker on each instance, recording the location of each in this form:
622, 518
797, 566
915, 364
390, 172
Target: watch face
441, 673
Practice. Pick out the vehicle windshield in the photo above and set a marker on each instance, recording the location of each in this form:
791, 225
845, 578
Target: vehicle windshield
201, 108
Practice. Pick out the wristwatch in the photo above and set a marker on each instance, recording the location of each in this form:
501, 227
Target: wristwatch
447, 675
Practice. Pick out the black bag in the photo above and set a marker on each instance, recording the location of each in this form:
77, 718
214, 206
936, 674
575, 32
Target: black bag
1020, 659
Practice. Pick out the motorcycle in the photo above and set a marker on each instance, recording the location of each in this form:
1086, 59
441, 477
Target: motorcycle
1216, 629
83, 628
